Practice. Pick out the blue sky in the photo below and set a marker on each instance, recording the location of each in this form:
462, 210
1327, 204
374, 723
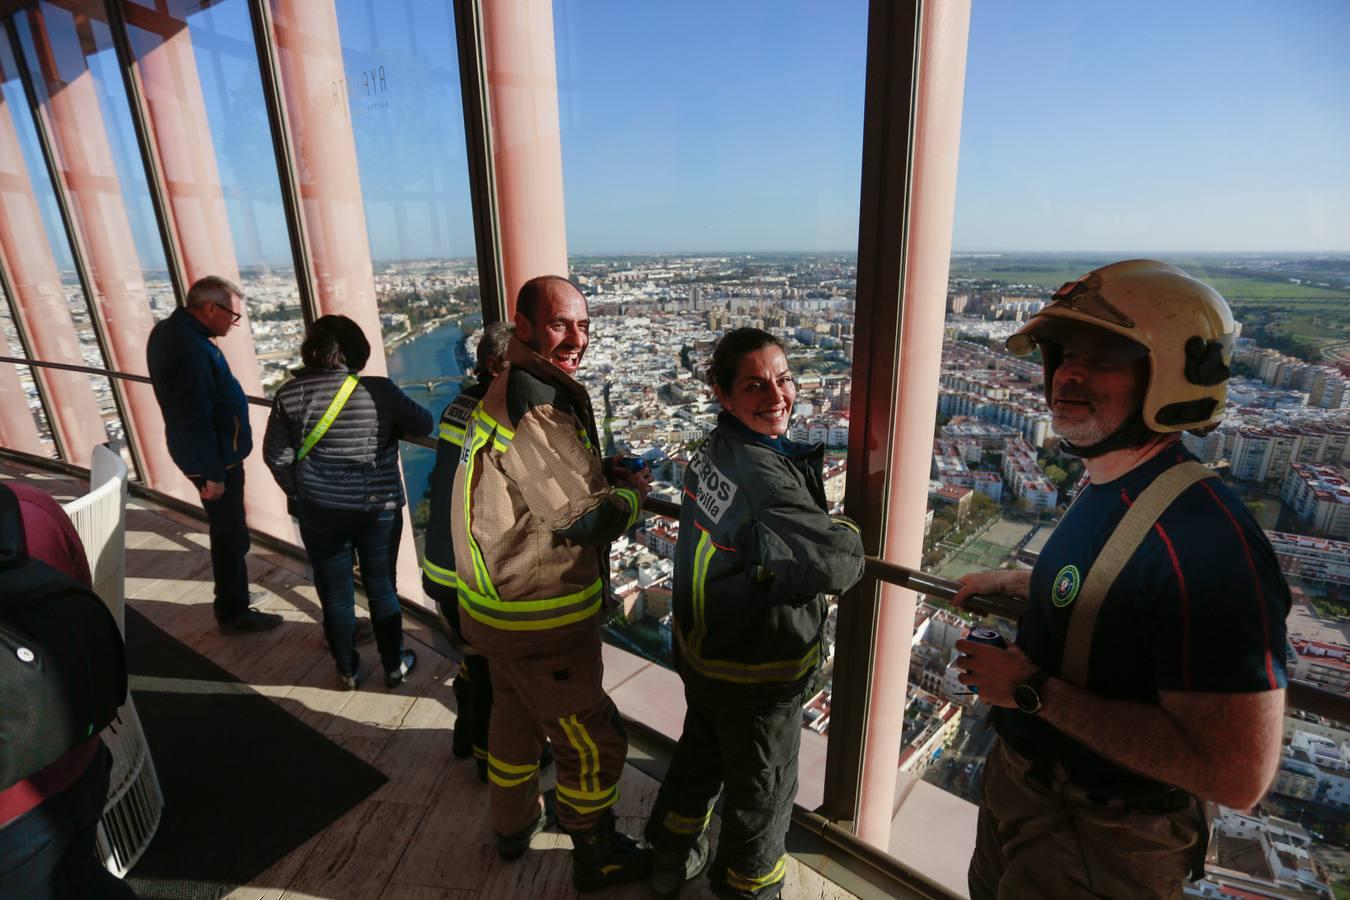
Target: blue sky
708, 126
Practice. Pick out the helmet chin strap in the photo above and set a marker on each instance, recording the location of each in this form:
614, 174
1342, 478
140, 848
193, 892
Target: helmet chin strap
1132, 433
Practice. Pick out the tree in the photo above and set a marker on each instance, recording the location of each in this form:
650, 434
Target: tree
1056, 474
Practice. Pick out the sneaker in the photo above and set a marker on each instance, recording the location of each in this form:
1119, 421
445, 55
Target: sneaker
351, 680
672, 868
513, 846
364, 633
250, 621
407, 662
603, 857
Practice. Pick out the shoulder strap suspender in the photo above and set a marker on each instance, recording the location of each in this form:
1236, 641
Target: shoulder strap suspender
1122, 544
330, 414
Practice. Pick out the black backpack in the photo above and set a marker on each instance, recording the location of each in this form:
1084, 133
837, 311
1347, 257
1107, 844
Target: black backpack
63, 669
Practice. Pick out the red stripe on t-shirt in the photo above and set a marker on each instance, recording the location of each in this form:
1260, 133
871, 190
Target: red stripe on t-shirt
691, 495
1185, 607
1251, 567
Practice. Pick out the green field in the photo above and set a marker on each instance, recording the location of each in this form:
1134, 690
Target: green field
1317, 317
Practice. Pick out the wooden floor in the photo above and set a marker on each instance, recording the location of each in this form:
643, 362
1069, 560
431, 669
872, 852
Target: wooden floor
425, 834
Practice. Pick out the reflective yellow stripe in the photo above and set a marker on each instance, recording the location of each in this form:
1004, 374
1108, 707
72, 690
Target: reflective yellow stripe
503, 781
585, 763
511, 768
587, 795
747, 883
703, 554
630, 496
585, 438
479, 752
749, 673
476, 554
678, 824
595, 751
439, 575
505, 774
491, 423
847, 523
588, 801
452, 433
531, 615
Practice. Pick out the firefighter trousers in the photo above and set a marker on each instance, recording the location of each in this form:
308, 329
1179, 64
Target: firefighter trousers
557, 695
473, 696
1051, 839
751, 755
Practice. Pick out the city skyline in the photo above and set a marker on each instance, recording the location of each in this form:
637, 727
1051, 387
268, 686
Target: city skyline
1084, 129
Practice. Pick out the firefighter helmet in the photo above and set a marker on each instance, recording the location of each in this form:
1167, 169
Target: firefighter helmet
1144, 308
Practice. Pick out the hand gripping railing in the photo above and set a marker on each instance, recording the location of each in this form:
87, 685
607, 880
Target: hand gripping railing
1301, 695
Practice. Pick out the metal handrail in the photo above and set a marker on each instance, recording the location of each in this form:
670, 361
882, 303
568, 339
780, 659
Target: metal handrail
1301, 695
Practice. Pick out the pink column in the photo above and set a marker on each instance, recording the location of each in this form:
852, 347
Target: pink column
941, 84
522, 85
89, 180
176, 116
313, 80
40, 304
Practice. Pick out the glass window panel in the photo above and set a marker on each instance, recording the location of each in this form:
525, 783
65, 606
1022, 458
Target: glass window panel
402, 96
711, 178
12, 346
57, 242
216, 88
1171, 149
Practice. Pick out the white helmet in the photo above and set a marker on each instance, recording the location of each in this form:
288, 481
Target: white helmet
1144, 308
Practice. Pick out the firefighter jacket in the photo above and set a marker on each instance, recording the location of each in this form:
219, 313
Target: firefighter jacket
757, 552
438, 560
533, 513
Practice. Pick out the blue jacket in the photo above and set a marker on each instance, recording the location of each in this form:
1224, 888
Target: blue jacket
205, 410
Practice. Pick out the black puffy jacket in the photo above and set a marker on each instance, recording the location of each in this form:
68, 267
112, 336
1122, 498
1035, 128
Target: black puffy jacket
756, 553
355, 465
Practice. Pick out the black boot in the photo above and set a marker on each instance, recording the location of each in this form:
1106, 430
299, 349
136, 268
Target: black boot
512, 847
672, 867
603, 857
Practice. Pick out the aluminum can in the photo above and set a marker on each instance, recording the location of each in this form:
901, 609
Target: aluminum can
988, 636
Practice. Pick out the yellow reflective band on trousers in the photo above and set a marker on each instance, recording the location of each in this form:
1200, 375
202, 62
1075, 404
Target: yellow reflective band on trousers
630, 497
439, 575
508, 775
786, 670
678, 824
588, 801
586, 751
531, 615
748, 883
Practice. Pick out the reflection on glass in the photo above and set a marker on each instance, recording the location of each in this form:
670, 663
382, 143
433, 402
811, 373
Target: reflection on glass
711, 177
401, 93
20, 379
1031, 216
199, 68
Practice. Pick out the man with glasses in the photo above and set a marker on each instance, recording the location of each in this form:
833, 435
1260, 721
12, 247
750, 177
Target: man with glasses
207, 429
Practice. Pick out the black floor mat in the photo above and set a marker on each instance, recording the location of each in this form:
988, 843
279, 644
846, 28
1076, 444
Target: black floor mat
244, 782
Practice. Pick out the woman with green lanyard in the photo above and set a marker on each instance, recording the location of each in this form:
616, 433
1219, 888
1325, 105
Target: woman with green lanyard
332, 445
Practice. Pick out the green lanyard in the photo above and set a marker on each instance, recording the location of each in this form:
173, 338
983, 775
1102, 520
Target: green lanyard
329, 415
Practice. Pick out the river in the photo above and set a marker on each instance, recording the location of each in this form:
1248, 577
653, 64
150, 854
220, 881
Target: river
427, 358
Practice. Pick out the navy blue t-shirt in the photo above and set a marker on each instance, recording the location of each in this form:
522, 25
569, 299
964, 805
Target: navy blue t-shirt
1199, 607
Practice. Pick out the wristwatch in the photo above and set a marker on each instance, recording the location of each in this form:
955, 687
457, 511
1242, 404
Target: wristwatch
1027, 695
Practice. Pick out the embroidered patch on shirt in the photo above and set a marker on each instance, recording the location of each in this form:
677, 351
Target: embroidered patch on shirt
715, 490
1066, 586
